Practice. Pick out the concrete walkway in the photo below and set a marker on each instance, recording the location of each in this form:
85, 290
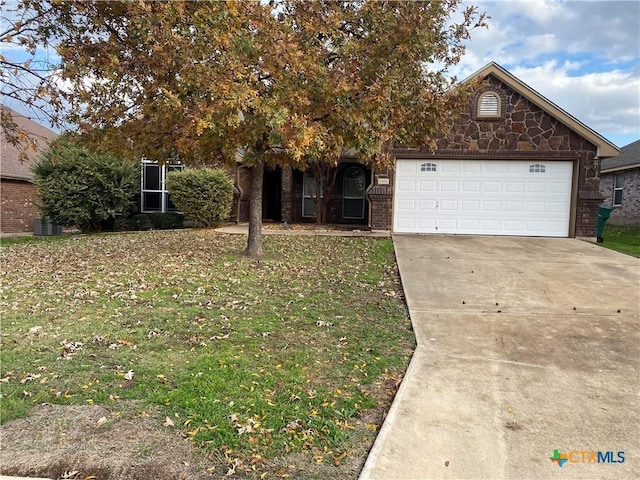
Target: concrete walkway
320, 230
525, 346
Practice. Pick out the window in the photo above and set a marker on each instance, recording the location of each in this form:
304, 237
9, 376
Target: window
154, 195
537, 168
428, 167
353, 193
489, 105
618, 182
309, 208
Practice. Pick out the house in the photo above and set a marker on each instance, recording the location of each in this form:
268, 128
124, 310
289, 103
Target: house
620, 185
17, 191
513, 164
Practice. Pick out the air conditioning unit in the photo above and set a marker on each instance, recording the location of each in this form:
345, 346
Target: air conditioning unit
44, 227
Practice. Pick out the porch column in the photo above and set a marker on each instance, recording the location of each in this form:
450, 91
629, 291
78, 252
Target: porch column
285, 199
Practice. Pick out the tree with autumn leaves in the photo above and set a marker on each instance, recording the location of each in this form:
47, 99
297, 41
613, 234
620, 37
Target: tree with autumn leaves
285, 82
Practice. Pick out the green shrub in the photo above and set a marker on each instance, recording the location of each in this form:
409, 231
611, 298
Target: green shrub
204, 195
79, 187
167, 221
140, 221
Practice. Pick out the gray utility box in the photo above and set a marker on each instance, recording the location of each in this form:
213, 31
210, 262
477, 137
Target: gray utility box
44, 227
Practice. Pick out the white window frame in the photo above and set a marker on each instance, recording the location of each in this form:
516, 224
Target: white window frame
310, 177
537, 168
164, 169
346, 197
428, 167
618, 188
487, 107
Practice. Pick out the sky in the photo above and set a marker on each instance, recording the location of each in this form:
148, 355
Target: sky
584, 56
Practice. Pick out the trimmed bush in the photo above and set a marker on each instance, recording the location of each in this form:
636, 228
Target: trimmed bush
204, 195
167, 221
83, 188
150, 221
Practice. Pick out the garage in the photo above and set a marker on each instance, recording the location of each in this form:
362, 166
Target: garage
483, 197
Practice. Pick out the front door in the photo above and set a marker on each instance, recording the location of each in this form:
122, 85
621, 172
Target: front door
271, 195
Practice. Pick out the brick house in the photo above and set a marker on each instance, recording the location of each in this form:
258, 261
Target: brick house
17, 191
513, 164
620, 185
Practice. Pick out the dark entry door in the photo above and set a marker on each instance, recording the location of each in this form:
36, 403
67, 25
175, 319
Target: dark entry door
271, 195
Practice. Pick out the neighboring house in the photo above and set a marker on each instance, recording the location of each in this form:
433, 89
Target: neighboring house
17, 191
620, 185
513, 164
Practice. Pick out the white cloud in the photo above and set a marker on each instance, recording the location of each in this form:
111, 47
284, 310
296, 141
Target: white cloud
582, 55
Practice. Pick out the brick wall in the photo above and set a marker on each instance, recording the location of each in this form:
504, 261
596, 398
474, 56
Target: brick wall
18, 210
381, 207
628, 213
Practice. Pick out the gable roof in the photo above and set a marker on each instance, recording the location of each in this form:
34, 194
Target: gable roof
10, 165
604, 146
629, 158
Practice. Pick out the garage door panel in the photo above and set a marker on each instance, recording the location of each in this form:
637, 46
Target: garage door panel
469, 224
514, 187
557, 187
471, 186
483, 197
471, 167
492, 187
514, 207
427, 205
407, 166
538, 207
492, 206
448, 186
536, 187
491, 226
407, 186
430, 186
427, 225
406, 204
470, 206
448, 205
555, 207
447, 167
515, 167
493, 168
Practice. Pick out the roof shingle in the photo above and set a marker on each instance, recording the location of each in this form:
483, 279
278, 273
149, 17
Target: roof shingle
10, 165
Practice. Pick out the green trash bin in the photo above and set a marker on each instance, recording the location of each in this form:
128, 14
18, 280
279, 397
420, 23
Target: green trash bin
604, 212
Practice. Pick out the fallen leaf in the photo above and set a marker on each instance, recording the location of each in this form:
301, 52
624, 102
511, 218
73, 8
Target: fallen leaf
102, 421
168, 422
35, 331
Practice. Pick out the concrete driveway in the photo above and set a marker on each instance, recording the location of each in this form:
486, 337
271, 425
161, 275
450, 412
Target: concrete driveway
525, 346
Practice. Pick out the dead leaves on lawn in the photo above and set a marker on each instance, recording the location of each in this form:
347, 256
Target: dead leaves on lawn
132, 311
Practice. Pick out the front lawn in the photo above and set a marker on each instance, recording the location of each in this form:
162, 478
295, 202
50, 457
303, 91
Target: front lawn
622, 239
272, 367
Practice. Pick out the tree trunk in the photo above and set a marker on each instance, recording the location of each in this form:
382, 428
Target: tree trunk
254, 240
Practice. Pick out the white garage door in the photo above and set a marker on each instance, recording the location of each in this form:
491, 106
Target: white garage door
486, 197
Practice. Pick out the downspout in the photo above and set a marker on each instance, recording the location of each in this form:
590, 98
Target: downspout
240, 193
367, 191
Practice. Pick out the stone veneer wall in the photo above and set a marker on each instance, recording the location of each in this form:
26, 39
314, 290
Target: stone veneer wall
522, 131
